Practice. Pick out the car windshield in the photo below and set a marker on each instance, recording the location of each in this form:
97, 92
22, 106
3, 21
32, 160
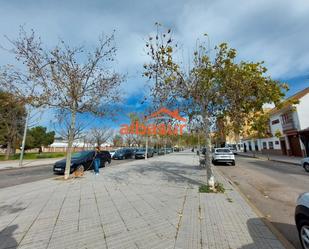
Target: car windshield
223, 151
81, 154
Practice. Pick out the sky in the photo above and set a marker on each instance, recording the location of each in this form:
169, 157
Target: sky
261, 30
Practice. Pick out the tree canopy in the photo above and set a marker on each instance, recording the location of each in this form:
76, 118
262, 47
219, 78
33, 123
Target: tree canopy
12, 120
213, 87
38, 137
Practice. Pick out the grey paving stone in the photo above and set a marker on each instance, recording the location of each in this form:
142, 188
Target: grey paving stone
140, 204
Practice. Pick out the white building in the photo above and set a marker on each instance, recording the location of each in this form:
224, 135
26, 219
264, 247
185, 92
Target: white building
60, 145
289, 129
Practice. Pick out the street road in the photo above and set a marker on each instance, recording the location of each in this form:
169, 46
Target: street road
273, 188
12, 177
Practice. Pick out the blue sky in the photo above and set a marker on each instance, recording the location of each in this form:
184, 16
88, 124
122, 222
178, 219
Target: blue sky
273, 31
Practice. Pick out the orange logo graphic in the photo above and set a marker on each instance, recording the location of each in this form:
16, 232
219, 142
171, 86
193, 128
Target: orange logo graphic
174, 114
147, 128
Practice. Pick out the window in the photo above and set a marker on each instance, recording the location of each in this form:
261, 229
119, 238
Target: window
276, 121
277, 142
264, 145
223, 150
271, 145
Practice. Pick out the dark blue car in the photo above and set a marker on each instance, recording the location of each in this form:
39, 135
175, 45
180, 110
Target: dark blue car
83, 158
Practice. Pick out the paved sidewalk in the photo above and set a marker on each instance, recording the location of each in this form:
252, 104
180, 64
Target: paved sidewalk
276, 158
153, 204
12, 164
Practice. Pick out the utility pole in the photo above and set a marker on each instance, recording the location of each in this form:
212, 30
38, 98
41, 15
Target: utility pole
146, 152
24, 140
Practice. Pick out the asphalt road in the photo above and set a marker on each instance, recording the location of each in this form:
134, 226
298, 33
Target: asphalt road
12, 177
273, 188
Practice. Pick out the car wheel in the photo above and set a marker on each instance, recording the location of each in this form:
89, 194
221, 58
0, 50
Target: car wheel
303, 233
306, 167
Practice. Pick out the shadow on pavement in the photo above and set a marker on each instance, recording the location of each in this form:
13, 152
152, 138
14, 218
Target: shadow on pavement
6, 237
290, 233
10, 209
168, 171
259, 232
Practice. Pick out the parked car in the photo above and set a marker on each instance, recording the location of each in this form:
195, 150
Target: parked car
161, 151
223, 155
123, 154
302, 219
305, 163
169, 150
140, 153
83, 158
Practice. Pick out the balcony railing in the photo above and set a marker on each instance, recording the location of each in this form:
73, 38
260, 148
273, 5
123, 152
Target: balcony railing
288, 126
288, 123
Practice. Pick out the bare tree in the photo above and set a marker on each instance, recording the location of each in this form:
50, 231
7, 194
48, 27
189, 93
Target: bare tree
100, 135
62, 126
129, 139
66, 78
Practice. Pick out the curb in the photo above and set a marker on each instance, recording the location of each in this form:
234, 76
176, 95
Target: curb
273, 160
287, 244
25, 167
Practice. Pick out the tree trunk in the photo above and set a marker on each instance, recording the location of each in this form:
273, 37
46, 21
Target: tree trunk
8, 150
70, 144
21, 158
209, 173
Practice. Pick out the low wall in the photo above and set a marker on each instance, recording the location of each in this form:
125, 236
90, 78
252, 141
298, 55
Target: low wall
272, 152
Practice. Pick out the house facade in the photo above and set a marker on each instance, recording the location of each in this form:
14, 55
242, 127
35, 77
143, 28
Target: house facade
288, 129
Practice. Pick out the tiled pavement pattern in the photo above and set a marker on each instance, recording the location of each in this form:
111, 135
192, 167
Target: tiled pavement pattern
153, 204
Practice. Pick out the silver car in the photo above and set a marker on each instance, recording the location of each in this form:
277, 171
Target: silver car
305, 163
302, 219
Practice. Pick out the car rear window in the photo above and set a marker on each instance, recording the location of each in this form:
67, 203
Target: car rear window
223, 150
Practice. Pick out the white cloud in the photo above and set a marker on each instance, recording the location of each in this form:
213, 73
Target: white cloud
273, 31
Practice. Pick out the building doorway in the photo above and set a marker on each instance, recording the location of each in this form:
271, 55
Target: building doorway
295, 146
304, 136
283, 147
256, 146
